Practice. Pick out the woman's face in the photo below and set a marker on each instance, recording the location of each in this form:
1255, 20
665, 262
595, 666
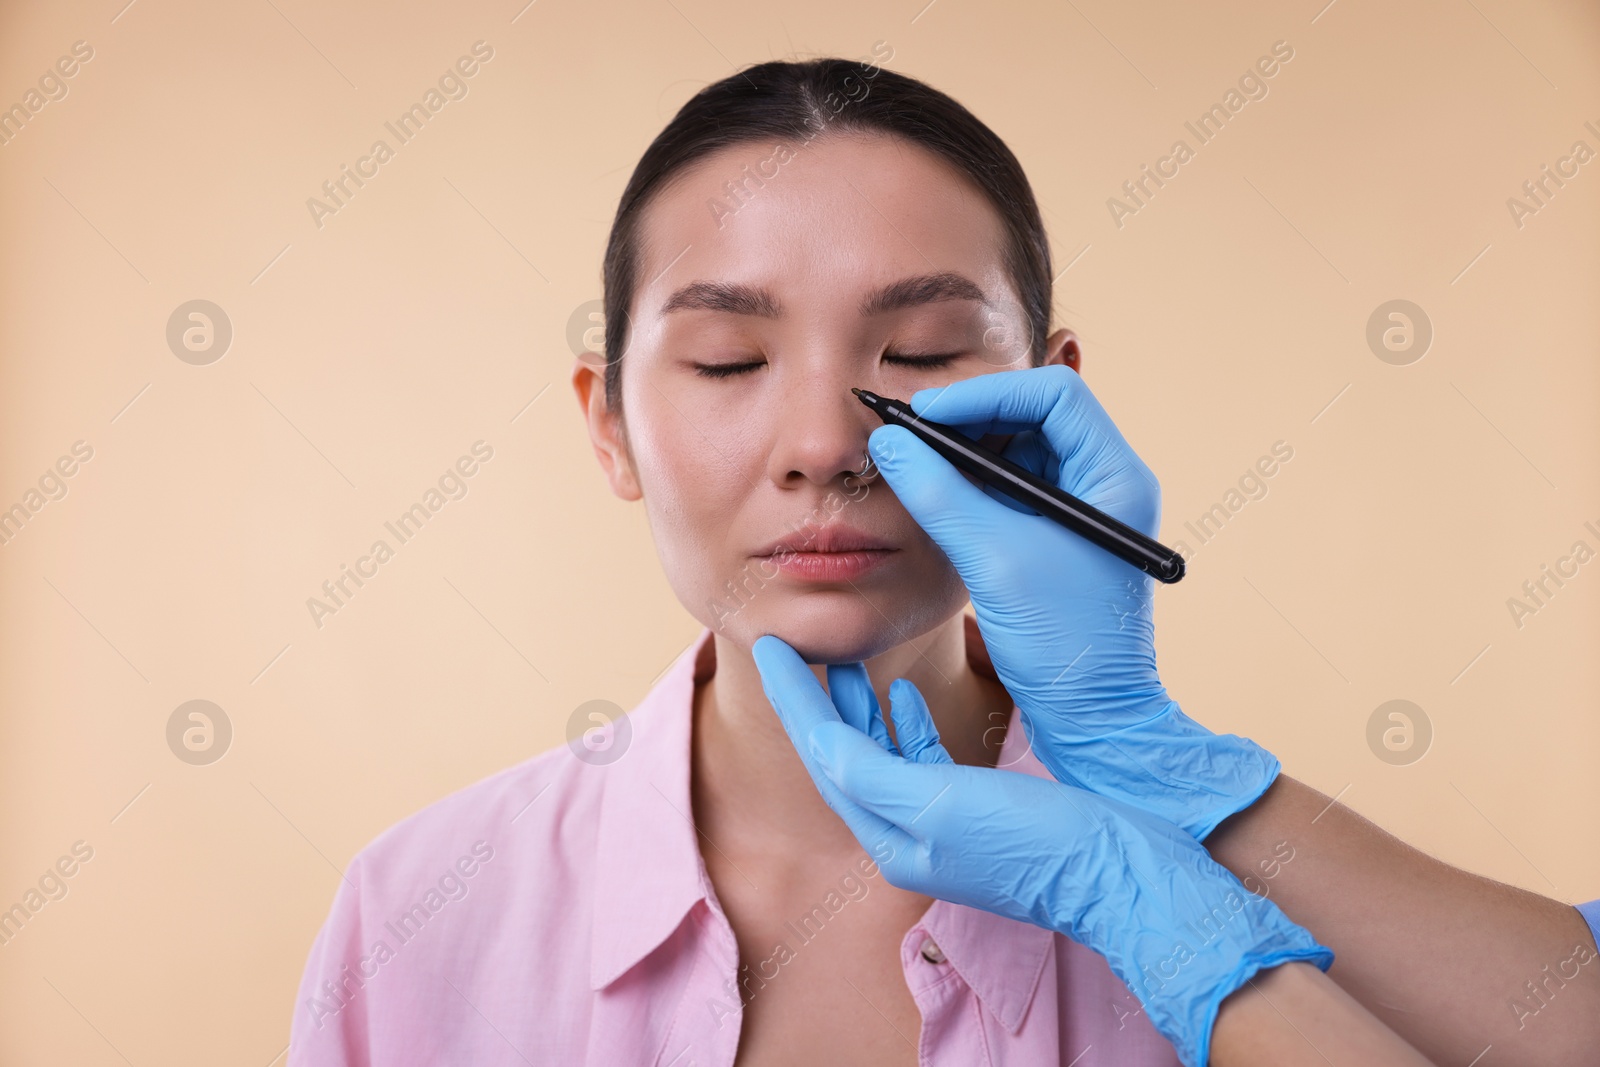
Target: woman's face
852, 261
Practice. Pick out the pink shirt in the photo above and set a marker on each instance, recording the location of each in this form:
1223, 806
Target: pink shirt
559, 912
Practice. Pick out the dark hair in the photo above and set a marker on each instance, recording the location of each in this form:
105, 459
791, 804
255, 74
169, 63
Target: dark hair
801, 101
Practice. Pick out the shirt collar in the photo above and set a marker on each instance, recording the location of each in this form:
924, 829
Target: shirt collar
650, 871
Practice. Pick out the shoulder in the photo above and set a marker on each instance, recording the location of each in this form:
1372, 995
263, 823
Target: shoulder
497, 879
536, 821
442, 881
529, 814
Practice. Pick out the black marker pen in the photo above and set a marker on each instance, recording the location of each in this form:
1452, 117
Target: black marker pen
1028, 489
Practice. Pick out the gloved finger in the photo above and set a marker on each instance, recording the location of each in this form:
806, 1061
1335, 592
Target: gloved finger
913, 724
801, 704
889, 787
1029, 451
838, 759
892, 848
956, 513
1096, 462
851, 689
784, 673
881, 726
1011, 401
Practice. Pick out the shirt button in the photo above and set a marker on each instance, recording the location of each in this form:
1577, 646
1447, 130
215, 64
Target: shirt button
931, 951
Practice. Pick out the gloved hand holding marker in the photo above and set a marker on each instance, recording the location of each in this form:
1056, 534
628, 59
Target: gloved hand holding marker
1068, 625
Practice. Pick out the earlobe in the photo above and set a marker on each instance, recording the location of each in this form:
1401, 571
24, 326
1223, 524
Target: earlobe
605, 430
1062, 347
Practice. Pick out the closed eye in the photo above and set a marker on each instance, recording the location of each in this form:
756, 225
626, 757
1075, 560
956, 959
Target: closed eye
725, 370
902, 359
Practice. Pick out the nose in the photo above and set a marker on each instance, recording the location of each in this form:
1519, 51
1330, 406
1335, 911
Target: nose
821, 434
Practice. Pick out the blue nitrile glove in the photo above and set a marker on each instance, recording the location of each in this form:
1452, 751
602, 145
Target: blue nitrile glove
1179, 930
1067, 624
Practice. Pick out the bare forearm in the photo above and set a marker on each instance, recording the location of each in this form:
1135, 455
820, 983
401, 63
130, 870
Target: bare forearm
1295, 1015
1453, 962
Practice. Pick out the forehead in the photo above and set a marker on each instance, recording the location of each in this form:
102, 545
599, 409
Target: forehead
823, 223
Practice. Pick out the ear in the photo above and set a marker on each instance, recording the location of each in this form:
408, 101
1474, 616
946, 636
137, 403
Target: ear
1062, 347
605, 429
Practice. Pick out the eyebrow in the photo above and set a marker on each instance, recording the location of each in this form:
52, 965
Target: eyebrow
740, 299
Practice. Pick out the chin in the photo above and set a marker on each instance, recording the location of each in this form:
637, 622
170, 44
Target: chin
841, 626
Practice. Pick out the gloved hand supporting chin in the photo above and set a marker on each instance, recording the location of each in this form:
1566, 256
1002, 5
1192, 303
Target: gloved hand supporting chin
1179, 930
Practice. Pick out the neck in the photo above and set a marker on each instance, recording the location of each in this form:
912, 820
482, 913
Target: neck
751, 792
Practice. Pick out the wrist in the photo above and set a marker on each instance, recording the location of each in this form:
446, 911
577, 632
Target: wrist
1164, 763
1186, 1007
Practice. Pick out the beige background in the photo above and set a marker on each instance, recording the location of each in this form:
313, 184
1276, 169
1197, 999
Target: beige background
433, 310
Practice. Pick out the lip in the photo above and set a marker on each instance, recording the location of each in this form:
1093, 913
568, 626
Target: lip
818, 540
828, 553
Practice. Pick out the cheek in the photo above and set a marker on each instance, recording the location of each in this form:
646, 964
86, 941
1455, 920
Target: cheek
694, 462
697, 478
